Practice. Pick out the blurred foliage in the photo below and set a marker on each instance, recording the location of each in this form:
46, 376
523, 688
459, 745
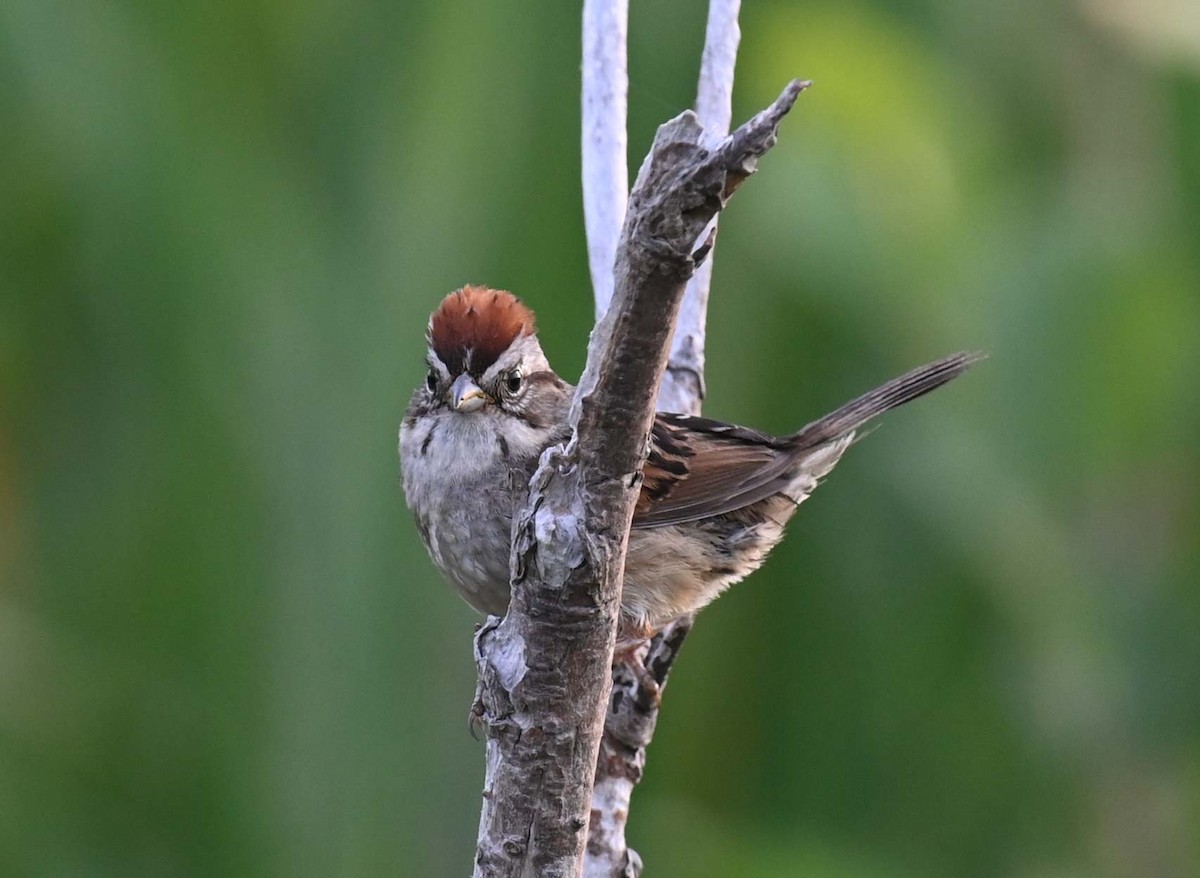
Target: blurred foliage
222, 225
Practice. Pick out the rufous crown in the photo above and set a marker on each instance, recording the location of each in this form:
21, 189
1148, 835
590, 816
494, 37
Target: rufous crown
474, 325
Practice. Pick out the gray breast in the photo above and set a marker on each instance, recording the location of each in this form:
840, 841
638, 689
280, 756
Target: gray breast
456, 484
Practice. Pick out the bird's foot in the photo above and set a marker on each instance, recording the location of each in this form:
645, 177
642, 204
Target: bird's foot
629, 662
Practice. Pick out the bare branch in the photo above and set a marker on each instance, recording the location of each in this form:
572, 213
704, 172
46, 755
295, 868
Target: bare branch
638, 680
605, 164
628, 730
714, 93
545, 670
683, 385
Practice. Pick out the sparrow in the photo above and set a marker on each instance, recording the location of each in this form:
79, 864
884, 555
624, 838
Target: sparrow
714, 497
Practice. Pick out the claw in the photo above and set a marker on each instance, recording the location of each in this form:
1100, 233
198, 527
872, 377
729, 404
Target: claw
475, 723
649, 690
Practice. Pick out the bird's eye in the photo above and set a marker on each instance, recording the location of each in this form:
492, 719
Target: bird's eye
513, 381
431, 380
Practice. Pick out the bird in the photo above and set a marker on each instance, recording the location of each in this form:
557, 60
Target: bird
714, 498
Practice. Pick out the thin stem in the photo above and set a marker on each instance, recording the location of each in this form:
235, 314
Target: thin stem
683, 385
605, 165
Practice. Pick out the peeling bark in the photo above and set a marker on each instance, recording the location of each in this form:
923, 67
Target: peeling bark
545, 670
638, 679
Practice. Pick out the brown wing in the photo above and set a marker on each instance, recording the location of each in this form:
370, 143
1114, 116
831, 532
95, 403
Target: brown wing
698, 467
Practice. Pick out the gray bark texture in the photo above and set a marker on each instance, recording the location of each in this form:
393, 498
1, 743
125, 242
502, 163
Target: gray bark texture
637, 684
638, 679
545, 669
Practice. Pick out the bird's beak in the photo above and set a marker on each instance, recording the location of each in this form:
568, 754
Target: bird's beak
465, 395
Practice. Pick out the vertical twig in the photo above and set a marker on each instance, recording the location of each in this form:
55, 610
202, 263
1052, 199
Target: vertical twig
683, 385
638, 680
605, 165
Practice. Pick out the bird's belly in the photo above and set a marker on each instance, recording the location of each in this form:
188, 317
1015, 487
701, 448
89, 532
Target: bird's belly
471, 550
461, 506
675, 570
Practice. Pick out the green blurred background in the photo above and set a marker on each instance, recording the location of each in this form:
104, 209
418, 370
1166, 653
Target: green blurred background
222, 226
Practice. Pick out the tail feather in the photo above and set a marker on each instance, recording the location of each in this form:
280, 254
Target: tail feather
896, 392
